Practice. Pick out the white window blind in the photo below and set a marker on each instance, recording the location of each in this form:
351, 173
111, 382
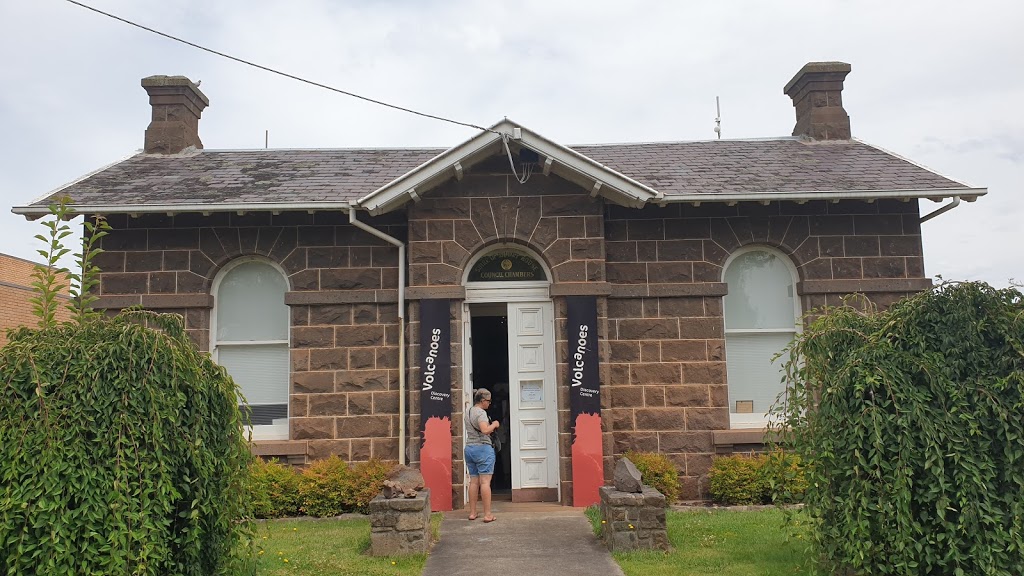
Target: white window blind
752, 374
260, 370
250, 304
760, 321
251, 342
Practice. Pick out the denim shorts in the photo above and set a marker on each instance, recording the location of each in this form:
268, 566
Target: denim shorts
480, 459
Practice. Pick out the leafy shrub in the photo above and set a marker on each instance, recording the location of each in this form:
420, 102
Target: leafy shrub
737, 480
783, 477
368, 480
120, 451
658, 472
120, 444
330, 486
911, 423
776, 477
274, 489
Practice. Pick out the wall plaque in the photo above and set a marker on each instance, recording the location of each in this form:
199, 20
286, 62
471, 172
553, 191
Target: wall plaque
506, 265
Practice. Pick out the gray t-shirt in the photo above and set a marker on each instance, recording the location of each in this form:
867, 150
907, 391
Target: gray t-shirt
474, 436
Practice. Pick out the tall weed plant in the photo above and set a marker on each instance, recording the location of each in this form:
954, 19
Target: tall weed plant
120, 444
911, 424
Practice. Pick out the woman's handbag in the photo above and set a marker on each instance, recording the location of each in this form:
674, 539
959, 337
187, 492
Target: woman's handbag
496, 441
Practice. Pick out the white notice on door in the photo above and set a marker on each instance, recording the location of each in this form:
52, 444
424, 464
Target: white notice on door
531, 391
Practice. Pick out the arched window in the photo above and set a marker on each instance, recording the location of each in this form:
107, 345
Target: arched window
761, 318
249, 337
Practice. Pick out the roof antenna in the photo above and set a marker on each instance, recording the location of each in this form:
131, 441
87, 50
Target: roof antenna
718, 119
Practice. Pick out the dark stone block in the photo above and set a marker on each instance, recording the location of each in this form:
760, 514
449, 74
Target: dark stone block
680, 250
143, 261
687, 228
440, 230
305, 280
162, 282
887, 267
133, 283
267, 238
351, 279
315, 236
646, 230
626, 273
832, 246
179, 259
174, 239
327, 257
881, 224
847, 268
284, 245
247, 238
670, 272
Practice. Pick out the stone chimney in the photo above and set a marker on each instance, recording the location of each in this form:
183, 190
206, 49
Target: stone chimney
177, 105
817, 93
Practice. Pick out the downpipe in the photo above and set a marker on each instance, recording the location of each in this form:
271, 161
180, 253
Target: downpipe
401, 323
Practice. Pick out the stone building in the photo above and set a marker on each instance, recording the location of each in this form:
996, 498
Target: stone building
612, 297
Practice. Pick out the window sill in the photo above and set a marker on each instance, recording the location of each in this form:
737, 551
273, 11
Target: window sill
726, 441
291, 451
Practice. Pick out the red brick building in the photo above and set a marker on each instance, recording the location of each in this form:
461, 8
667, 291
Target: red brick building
612, 297
16, 292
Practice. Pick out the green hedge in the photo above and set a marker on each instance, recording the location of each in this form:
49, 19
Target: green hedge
120, 452
911, 422
274, 489
328, 487
770, 478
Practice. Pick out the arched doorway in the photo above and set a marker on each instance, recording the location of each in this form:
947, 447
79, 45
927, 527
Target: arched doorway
509, 348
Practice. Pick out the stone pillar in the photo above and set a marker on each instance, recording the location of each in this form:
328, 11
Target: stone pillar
633, 521
400, 526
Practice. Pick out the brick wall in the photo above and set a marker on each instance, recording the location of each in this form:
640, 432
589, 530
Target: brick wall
666, 360
344, 317
656, 272
15, 293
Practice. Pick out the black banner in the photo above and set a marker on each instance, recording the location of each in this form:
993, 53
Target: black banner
584, 387
435, 359
584, 400
435, 378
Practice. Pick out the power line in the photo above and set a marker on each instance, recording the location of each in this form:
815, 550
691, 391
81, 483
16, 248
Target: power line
278, 72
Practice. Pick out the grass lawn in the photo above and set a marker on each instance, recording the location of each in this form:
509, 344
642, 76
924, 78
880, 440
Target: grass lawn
328, 547
724, 543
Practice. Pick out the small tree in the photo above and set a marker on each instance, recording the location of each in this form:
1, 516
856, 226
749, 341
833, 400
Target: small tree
911, 423
120, 444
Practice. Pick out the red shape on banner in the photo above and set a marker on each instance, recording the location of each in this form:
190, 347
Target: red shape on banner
436, 462
587, 461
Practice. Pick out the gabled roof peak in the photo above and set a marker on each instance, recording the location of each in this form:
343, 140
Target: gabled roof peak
552, 157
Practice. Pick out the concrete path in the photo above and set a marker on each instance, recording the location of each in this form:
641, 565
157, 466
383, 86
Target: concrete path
529, 539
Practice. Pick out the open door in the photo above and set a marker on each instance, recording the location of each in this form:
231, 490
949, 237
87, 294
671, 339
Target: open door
533, 402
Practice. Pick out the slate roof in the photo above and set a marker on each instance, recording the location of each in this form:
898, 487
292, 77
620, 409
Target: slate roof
232, 177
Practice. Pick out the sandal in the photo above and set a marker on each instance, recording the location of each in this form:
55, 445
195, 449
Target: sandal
489, 520
471, 518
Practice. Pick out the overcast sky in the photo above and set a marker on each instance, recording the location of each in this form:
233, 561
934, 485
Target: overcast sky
939, 82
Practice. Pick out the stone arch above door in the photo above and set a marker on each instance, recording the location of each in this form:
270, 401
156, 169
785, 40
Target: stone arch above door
553, 217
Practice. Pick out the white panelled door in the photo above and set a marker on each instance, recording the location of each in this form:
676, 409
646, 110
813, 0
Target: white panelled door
534, 415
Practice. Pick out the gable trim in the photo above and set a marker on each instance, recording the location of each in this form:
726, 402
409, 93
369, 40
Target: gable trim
558, 159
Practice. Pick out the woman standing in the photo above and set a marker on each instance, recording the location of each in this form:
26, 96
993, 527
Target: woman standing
480, 452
